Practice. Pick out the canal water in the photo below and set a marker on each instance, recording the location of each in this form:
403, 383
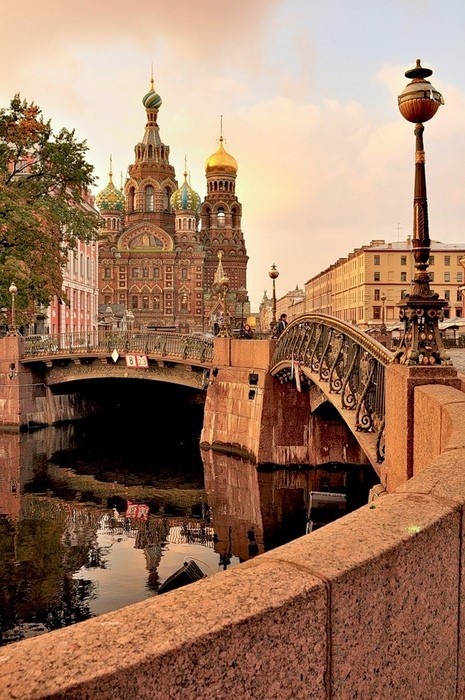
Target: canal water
97, 515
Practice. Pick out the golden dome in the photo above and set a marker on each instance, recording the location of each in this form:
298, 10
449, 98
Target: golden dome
221, 161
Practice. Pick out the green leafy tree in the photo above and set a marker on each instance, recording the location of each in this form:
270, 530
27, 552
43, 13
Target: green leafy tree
44, 204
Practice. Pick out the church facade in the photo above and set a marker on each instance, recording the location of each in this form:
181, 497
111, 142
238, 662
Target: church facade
166, 258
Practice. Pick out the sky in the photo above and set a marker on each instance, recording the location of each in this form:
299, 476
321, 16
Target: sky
307, 93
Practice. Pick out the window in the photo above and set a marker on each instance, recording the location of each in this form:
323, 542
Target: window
403, 259
431, 259
377, 312
184, 273
145, 302
135, 273
459, 295
376, 260
145, 272
149, 198
447, 294
221, 217
459, 277
377, 295
447, 277
447, 260
431, 276
403, 277
156, 273
377, 277
403, 293
135, 302
132, 197
107, 273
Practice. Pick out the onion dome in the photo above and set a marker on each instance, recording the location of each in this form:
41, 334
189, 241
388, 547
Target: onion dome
110, 198
152, 99
221, 161
185, 198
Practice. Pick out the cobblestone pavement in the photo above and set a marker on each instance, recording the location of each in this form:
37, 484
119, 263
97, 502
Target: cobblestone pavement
458, 359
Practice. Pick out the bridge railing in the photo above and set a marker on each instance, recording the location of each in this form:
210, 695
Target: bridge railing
347, 359
175, 345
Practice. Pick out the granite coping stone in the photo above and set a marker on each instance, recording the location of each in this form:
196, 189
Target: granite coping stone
171, 645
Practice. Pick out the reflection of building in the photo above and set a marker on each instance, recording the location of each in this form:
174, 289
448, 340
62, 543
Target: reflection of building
353, 288
154, 258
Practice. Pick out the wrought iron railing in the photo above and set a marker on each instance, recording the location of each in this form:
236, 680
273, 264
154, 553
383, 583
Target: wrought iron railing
349, 361
159, 344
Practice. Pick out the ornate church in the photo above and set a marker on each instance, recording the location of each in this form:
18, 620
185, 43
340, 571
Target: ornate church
167, 259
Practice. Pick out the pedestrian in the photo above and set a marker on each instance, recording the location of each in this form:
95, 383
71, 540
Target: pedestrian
281, 325
247, 332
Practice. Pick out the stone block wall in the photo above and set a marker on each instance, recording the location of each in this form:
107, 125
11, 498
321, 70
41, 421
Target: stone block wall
249, 412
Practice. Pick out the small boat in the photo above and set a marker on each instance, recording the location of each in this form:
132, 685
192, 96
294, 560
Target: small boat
188, 573
324, 507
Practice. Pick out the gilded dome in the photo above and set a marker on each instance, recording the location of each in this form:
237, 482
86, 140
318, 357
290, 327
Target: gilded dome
221, 161
185, 198
110, 198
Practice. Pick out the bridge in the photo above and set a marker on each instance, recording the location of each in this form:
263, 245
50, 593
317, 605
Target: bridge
317, 360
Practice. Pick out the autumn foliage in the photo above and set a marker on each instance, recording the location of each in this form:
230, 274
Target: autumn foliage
44, 186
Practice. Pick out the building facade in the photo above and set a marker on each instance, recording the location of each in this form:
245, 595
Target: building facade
169, 259
365, 287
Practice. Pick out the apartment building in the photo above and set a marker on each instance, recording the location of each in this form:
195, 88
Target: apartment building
365, 287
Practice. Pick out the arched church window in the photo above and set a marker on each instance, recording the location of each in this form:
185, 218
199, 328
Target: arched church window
166, 199
150, 151
135, 302
149, 198
145, 303
184, 273
132, 196
220, 218
156, 303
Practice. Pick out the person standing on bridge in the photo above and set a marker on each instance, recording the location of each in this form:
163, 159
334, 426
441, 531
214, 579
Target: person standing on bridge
281, 325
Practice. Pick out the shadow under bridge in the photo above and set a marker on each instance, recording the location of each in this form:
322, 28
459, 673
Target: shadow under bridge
338, 363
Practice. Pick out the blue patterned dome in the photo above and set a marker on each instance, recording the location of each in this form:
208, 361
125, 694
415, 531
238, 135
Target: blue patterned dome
185, 199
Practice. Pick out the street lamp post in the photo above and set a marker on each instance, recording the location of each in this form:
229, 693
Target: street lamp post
223, 289
421, 310
242, 298
274, 274
12, 330
383, 318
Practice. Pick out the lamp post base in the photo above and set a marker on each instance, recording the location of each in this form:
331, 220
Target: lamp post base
421, 342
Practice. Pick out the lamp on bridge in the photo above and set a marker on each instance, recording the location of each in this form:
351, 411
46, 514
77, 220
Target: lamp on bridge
13, 289
223, 289
383, 328
421, 310
274, 274
241, 297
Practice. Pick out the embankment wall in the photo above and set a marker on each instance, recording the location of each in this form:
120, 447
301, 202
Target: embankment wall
367, 607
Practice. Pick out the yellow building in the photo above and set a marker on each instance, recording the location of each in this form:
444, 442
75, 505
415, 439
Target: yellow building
365, 287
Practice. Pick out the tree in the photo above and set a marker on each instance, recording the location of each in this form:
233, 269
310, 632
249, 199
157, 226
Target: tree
44, 204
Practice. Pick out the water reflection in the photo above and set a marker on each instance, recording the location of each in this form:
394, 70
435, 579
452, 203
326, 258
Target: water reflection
72, 549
